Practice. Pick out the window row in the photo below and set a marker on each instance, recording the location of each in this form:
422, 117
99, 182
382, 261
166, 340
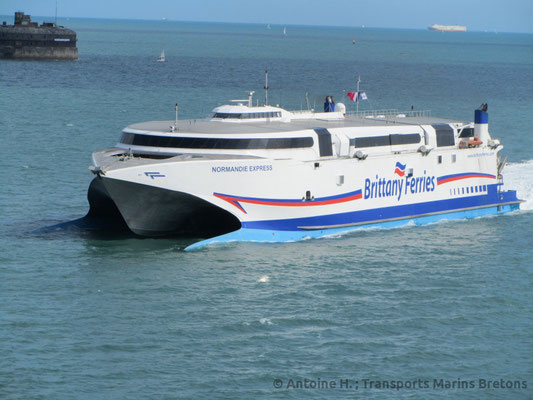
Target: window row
468, 190
270, 114
215, 143
386, 140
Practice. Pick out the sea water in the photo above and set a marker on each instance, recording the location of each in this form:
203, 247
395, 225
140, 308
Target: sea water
436, 311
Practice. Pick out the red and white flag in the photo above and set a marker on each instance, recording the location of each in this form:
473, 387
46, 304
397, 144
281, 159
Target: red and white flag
353, 95
356, 96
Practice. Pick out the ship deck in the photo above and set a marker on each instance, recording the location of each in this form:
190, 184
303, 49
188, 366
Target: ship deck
205, 126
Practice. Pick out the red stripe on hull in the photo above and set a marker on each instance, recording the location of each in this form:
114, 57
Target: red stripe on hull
236, 201
457, 178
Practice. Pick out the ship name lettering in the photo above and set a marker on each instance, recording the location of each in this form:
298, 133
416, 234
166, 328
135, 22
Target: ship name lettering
383, 187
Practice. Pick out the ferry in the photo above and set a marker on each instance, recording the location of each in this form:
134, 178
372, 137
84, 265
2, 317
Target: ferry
263, 173
447, 28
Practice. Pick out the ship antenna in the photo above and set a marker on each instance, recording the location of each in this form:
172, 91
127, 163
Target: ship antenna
176, 120
56, 15
266, 87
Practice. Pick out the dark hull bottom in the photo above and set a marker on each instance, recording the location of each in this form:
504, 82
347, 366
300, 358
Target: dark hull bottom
150, 211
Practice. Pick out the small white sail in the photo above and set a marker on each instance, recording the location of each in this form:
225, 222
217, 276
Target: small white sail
162, 56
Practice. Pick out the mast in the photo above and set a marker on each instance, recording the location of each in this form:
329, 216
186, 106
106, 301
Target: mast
266, 87
357, 94
176, 121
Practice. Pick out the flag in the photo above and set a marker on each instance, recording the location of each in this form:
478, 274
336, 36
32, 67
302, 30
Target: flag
356, 96
353, 95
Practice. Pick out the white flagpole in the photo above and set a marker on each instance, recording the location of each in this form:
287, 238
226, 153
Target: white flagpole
176, 123
266, 88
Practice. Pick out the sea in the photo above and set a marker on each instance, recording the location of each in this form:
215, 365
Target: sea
439, 311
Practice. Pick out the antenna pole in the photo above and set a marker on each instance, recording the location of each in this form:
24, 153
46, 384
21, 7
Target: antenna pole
357, 93
266, 87
56, 15
176, 122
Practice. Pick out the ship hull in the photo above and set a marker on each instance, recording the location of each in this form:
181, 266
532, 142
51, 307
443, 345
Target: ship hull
281, 236
304, 199
447, 28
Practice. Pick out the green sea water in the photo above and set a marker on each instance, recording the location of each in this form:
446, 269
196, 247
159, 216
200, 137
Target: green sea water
439, 310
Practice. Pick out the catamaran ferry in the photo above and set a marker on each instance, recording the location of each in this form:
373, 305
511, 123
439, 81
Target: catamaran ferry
262, 173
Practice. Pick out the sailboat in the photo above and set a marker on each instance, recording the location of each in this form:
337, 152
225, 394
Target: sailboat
284, 31
161, 58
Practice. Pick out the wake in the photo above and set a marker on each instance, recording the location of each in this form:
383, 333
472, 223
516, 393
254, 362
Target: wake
519, 176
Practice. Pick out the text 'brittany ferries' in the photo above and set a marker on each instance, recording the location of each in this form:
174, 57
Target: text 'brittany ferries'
383, 187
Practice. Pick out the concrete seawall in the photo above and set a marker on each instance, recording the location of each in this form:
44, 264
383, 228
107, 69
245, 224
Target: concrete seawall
39, 53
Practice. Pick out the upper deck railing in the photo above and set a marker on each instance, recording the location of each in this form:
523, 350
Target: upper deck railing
388, 113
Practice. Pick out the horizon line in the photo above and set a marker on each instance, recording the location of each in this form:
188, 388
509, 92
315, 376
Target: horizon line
362, 26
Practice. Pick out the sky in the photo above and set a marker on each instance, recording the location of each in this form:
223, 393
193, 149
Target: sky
477, 15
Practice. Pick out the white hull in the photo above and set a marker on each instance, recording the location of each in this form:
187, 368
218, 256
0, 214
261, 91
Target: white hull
447, 28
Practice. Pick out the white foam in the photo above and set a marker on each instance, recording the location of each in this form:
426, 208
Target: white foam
519, 177
264, 278
265, 321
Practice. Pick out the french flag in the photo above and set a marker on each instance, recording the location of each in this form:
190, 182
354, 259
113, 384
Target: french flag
400, 169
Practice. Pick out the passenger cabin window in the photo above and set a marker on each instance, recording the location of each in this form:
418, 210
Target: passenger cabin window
215, 143
324, 142
445, 135
466, 133
269, 114
386, 140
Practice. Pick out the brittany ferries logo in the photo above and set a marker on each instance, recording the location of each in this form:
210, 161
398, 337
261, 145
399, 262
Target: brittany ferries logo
404, 185
400, 169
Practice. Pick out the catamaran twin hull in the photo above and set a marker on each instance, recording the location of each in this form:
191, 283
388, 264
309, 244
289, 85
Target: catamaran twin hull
283, 200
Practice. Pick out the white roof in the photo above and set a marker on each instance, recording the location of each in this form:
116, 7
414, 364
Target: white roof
244, 109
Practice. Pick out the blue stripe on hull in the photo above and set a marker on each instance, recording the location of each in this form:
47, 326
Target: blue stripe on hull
385, 213
273, 236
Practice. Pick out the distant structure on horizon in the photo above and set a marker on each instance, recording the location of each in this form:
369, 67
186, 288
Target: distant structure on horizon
27, 40
447, 28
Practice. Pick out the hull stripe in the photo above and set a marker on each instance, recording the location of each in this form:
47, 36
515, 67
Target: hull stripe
493, 198
467, 175
321, 201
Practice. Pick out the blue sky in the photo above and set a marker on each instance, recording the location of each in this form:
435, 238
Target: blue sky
479, 15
